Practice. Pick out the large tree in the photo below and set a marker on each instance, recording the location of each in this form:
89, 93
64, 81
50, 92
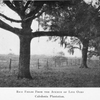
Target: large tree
81, 18
28, 10
88, 18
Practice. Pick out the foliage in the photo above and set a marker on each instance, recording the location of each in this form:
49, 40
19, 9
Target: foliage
94, 48
80, 18
73, 44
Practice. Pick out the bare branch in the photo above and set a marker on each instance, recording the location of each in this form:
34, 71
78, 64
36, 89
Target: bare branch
76, 48
33, 17
39, 14
19, 7
58, 33
10, 5
16, 4
53, 33
9, 28
38, 8
28, 2
10, 19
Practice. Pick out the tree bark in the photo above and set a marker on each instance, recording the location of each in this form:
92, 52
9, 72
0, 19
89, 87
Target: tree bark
84, 54
24, 59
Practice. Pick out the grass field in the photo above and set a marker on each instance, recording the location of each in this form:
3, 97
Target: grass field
59, 76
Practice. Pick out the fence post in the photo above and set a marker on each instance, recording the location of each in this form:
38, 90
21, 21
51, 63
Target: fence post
70, 61
89, 60
55, 62
75, 62
79, 61
47, 64
10, 64
38, 64
66, 61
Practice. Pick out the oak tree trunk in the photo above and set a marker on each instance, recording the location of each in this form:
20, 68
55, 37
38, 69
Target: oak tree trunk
24, 59
84, 54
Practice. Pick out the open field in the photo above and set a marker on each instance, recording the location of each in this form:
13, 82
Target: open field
47, 75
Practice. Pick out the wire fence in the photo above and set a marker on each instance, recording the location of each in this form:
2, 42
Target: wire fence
61, 63
47, 63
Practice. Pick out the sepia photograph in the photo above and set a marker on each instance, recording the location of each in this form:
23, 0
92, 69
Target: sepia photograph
50, 49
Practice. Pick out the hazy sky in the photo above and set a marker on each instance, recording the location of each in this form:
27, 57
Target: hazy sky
9, 42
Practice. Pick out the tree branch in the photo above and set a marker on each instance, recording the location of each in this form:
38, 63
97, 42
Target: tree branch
76, 48
38, 8
39, 14
16, 4
33, 17
10, 19
10, 5
19, 7
53, 33
7, 27
28, 2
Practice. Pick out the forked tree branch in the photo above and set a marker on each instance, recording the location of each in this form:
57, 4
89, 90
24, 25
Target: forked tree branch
28, 2
10, 5
36, 16
39, 14
7, 27
10, 19
34, 12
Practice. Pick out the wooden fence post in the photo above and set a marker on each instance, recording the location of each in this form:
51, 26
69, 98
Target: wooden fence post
75, 62
38, 64
70, 61
66, 61
10, 64
79, 61
55, 62
47, 64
